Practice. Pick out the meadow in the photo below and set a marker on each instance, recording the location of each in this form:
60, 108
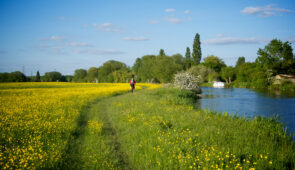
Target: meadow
37, 119
101, 126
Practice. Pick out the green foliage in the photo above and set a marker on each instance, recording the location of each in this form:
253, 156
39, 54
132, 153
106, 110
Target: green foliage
240, 61
122, 76
105, 72
69, 78
53, 76
152, 68
92, 75
165, 68
136, 66
16, 76
145, 67
251, 75
80, 75
178, 59
206, 74
228, 74
38, 78
197, 53
277, 56
214, 63
162, 53
188, 59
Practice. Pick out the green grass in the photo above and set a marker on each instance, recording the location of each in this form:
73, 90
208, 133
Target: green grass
159, 129
206, 84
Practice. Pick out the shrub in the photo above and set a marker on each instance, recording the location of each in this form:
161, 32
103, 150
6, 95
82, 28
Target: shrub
187, 81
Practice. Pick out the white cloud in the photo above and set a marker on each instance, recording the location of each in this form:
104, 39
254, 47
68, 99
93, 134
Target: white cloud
292, 40
174, 20
170, 10
265, 11
108, 27
187, 11
154, 21
136, 39
77, 44
99, 52
233, 40
53, 38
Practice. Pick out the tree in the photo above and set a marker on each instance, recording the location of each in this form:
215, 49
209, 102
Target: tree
52, 76
214, 63
228, 73
68, 78
137, 65
105, 72
80, 75
145, 68
197, 53
4, 77
276, 56
251, 75
38, 78
92, 75
165, 68
121, 76
178, 59
161, 53
240, 61
187, 81
288, 63
188, 59
205, 74
16, 76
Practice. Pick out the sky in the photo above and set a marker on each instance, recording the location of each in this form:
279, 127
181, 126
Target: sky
64, 35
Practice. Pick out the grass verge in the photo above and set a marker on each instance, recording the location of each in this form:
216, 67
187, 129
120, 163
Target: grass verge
159, 129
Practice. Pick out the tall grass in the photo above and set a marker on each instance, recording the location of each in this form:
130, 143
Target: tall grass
160, 129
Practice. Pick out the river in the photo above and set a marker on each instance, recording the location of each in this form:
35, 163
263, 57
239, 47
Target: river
250, 103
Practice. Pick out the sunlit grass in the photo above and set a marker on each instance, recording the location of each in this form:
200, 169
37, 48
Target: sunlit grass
160, 129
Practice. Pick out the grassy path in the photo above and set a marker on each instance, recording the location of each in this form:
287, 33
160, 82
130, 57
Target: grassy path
159, 129
94, 143
111, 137
72, 158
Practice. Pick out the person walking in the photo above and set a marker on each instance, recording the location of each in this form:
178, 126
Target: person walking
132, 84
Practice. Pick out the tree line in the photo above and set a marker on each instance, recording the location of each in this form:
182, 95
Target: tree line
276, 58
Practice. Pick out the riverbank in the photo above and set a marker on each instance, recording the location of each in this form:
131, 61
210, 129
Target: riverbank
159, 128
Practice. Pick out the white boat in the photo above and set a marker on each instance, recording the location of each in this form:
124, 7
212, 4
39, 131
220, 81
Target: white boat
218, 84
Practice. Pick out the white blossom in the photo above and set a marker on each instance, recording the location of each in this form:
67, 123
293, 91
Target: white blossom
187, 81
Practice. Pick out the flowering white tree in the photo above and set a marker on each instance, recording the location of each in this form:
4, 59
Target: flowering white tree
187, 81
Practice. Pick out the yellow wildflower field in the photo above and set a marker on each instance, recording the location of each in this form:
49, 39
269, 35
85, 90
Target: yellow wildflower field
36, 119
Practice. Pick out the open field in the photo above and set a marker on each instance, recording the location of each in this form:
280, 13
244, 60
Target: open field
91, 126
37, 119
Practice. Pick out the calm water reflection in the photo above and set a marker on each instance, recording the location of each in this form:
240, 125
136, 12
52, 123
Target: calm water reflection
246, 102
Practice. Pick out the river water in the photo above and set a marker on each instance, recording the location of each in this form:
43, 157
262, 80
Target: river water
250, 103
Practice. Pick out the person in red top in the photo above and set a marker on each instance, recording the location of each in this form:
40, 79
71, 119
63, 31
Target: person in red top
132, 84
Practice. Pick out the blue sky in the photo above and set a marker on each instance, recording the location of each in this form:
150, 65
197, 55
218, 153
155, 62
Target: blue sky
65, 35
